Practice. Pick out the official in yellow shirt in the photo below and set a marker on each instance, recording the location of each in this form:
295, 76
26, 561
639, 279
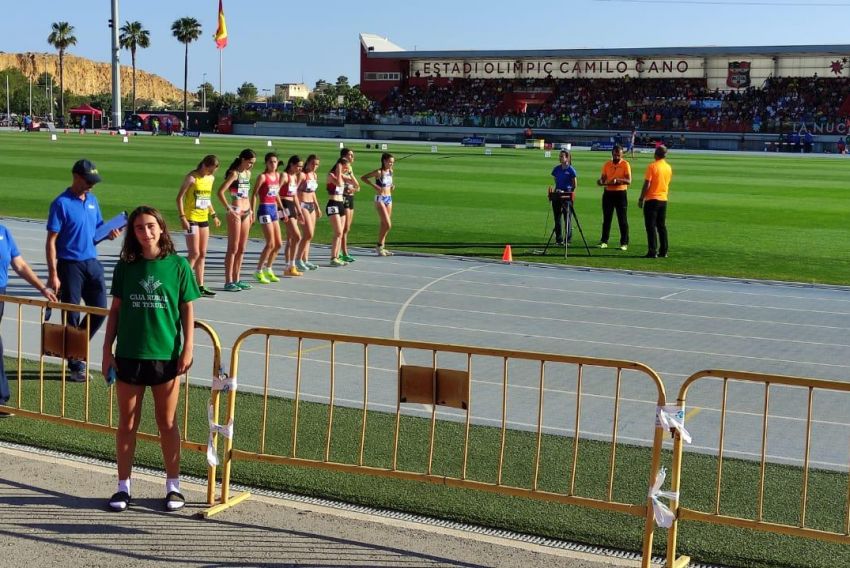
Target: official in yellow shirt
653, 201
616, 177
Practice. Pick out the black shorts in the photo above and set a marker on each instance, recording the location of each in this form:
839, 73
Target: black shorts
288, 211
335, 208
145, 372
308, 206
348, 202
200, 224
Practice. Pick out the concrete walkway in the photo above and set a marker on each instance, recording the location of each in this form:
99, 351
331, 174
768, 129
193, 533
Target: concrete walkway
53, 513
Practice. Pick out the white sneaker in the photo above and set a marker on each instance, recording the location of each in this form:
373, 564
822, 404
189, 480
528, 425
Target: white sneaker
624, 247
603, 245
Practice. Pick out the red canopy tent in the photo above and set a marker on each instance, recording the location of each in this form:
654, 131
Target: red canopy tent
87, 109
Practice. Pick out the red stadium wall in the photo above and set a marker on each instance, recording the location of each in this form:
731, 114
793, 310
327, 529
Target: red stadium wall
378, 90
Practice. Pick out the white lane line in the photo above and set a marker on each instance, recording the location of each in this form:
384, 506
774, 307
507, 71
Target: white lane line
618, 281
533, 302
668, 296
626, 345
403, 309
619, 294
635, 327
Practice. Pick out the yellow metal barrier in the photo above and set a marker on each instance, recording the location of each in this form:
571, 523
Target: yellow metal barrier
771, 384
445, 381
24, 406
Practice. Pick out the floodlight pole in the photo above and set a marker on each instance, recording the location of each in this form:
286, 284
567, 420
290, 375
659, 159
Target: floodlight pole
116, 69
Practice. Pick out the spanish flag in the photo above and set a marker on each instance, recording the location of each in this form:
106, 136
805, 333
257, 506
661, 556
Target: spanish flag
221, 32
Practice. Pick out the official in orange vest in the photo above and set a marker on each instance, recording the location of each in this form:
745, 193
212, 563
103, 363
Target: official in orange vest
616, 177
653, 201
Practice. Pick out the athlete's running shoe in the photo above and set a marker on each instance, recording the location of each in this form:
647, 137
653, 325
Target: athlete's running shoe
337, 262
346, 258
206, 292
243, 285
299, 264
232, 287
271, 276
624, 247
311, 266
603, 245
293, 271
261, 277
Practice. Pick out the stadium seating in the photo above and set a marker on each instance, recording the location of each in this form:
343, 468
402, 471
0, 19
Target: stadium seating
647, 104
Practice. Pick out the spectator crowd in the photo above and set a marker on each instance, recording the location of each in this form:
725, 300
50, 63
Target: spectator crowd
645, 104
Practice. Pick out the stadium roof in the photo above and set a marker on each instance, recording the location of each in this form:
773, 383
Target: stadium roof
378, 44
381, 48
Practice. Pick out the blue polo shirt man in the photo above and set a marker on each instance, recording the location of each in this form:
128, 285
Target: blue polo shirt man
565, 178
73, 269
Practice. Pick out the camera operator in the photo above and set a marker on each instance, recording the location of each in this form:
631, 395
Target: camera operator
566, 182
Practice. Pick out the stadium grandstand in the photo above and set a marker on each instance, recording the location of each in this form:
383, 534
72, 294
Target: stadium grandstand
695, 89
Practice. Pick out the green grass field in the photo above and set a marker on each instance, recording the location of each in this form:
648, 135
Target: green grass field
774, 217
729, 547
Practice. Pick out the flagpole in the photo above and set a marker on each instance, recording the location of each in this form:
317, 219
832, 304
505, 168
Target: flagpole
220, 91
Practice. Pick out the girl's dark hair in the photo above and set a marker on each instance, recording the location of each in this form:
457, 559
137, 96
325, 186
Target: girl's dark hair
342, 161
293, 160
131, 251
210, 161
384, 157
246, 154
311, 159
269, 156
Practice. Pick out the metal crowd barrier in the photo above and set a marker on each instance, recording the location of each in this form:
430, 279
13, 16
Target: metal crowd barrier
422, 379
81, 414
772, 386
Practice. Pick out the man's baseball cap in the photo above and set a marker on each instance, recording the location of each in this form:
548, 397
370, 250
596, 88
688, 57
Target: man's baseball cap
87, 170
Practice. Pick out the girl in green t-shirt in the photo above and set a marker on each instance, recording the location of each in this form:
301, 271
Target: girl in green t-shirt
152, 318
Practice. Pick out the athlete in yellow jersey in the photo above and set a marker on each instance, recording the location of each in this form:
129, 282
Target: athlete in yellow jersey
194, 202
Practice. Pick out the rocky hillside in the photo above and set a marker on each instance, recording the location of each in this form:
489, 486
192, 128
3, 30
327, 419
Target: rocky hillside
86, 77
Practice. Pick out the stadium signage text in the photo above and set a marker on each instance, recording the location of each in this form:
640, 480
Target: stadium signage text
556, 68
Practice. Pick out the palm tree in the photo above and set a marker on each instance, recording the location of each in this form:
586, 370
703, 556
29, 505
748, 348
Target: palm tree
61, 38
134, 36
186, 30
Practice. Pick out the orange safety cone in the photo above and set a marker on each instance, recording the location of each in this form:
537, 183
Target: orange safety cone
507, 256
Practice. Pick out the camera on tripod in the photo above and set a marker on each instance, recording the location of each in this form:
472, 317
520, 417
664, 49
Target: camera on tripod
561, 194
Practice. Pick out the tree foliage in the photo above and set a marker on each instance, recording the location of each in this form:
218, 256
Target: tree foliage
132, 37
61, 38
247, 93
186, 30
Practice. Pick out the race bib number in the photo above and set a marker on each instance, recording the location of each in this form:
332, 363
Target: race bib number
273, 190
242, 189
333, 210
291, 189
202, 203
312, 185
388, 181
265, 219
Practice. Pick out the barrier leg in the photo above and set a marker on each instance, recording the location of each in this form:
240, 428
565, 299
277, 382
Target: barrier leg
675, 483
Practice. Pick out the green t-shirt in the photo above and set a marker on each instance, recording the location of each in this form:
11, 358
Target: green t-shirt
151, 292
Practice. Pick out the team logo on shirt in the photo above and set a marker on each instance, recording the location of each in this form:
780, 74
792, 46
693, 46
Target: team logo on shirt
150, 284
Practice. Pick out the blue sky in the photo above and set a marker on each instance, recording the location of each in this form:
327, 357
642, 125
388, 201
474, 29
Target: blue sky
280, 42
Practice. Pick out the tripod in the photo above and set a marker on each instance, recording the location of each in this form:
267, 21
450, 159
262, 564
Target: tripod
568, 213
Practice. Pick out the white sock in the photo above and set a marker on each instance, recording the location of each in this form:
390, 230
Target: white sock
172, 484
124, 485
